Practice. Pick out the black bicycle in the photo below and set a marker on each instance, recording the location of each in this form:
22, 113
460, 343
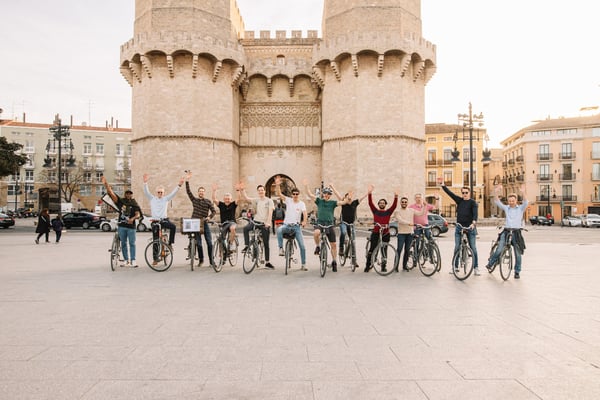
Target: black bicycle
324, 248
223, 249
254, 254
505, 261
379, 257
290, 246
424, 252
159, 253
349, 252
462, 260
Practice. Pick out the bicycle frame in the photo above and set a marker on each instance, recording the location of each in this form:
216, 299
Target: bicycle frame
325, 247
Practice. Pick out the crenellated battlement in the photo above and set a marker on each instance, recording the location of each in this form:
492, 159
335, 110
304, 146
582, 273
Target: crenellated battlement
280, 35
172, 41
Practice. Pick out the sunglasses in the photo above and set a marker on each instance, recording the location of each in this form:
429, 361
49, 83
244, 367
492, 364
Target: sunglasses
295, 194
160, 192
465, 192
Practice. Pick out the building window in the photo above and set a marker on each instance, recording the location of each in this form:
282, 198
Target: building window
431, 178
448, 178
129, 150
596, 132
596, 172
85, 190
596, 150
566, 131
29, 175
566, 150
280, 60
99, 190
87, 177
466, 178
447, 155
119, 150
99, 176
99, 148
87, 148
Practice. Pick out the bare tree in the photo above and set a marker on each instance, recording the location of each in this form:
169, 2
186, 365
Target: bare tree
73, 178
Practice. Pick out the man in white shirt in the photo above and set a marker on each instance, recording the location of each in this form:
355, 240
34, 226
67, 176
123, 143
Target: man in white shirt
159, 205
295, 219
263, 212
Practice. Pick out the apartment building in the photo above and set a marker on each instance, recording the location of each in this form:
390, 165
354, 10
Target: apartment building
442, 143
558, 160
87, 154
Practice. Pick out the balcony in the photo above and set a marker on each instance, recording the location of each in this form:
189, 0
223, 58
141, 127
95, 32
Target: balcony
504, 164
544, 178
431, 183
520, 178
504, 181
544, 156
520, 159
566, 156
99, 167
448, 183
566, 177
511, 161
511, 179
595, 155
556, 199
595, 198
438, 163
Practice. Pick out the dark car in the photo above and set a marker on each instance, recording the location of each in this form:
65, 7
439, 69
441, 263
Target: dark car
438, 225
540, 220
6, 221
83, 219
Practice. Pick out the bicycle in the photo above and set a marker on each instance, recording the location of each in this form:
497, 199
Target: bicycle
224, 250
254, 254
424, 252
505, 261
462, 260
349, 252
290, 245
190, 227
159, 253
324, 248
115, 251
379, 257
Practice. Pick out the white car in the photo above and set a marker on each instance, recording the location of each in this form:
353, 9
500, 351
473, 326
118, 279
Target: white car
571, 221
111, 225
590, 220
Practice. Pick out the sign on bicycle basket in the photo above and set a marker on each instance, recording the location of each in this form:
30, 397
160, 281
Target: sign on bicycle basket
190, 225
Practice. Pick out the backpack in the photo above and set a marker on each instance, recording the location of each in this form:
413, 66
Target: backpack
279, 214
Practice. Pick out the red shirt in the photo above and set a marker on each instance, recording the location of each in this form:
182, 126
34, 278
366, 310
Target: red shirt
382, 216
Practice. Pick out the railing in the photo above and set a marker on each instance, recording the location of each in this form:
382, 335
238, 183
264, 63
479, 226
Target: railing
566, 177
438, 163
544, 178
448, 183
504, 181
511, 161
544, 156
431, 184
511, 179
520, 178
520, 159
555, 199
566, 156
595, 155
595, 198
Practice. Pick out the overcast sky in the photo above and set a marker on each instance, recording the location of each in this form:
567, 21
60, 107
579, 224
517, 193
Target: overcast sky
516, 60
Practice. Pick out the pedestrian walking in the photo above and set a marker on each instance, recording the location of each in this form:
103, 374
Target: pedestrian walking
43, 226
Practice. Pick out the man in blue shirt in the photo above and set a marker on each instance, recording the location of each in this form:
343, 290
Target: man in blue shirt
514, 221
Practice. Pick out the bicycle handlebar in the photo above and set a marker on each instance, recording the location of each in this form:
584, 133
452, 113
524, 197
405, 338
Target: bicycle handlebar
464, 228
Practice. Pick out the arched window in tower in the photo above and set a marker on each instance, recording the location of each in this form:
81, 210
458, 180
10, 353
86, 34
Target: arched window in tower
280, 60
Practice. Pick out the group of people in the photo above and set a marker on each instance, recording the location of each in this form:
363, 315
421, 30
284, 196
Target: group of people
411, 218
45, 224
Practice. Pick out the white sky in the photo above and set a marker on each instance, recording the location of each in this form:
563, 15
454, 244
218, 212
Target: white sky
516, 60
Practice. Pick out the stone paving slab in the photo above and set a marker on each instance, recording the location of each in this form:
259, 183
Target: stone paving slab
72, 329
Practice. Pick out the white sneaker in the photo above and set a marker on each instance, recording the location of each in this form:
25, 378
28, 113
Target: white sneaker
303, 268
476, 271
133, 264
281, 253
125, 264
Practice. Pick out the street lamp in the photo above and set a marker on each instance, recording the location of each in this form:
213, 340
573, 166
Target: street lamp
60, 137
468, 121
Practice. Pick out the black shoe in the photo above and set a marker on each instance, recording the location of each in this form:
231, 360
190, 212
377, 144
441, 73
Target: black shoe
405, 268
334, 266
244, 249
489, 268
269, 265
317, 250
517, 276
367, 269
383, 269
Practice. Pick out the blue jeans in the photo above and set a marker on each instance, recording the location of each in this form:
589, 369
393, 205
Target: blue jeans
501, 244
127, 235
297, 229
404, 239
472, 235
209, 244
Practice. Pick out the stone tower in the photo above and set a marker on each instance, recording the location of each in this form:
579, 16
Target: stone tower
373, 65
347, 108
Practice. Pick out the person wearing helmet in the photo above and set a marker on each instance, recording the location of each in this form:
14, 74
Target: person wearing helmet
325, 208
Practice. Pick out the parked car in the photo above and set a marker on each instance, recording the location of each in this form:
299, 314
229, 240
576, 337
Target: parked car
6, 220
109, 225
540, 220
570, 220
437, 222
83, 219
590, 220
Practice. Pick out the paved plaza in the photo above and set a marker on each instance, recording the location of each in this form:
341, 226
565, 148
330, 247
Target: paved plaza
72, 329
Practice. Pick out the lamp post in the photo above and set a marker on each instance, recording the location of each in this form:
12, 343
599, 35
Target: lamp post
468, 121
60, 133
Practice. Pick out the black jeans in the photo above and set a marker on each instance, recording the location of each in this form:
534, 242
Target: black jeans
165, 223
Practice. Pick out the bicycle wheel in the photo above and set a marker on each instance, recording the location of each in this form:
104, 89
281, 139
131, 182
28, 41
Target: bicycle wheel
218, 255
165, 255
192, 247
233, 253
384, 256
250, 259
323, 259
412, 255
430, 259
462, 263
506, 262
352, 255
344, 254
492, 251
289, 253
114, 253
